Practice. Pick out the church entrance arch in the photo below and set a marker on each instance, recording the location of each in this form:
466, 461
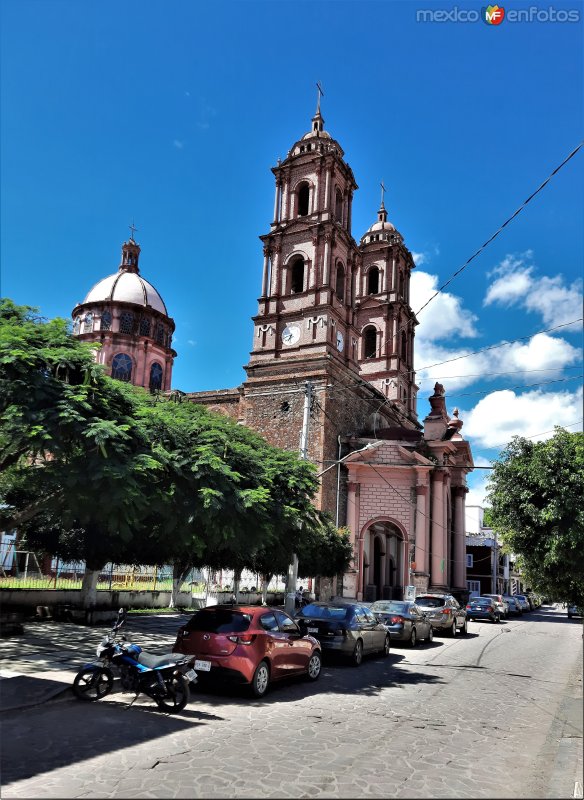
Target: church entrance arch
383, 562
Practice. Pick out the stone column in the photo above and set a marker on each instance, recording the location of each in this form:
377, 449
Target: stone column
327, 189
459, 545
394, 347
315, 196
326, 264
353, 513
266, 272
277, 201
438, 560
421, 558
285, 199
350, 211
394, 274
446, 527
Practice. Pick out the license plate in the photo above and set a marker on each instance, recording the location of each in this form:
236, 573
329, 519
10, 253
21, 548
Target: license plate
203, 666
191, 675
312, 630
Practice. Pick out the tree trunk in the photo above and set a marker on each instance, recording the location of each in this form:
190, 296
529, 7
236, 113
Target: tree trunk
179, 573
89, 588
236, 579
265, 583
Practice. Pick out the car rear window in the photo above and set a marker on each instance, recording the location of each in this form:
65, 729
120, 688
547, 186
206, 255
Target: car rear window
398, 607
430, 602
219, 621
325, 612
481, 601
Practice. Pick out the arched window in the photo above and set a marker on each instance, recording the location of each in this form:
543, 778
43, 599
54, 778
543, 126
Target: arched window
404, 346
297, 276
303, 199
88, 322
122, 367
370, 342
126, 322
340, 283
155, 377
338, 205
76, 325
160, 333
373, 281
145, 326
106, 321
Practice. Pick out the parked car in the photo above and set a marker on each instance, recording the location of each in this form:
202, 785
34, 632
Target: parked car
500, 602
252, 645
573, 611
483, 608
405, 620
514, 604
444, 612
524, 602
350, 629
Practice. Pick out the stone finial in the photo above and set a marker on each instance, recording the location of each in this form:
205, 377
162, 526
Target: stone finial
455, 423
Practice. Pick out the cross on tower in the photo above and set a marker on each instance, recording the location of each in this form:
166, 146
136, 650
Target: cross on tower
320, 94
382, 193
132, 228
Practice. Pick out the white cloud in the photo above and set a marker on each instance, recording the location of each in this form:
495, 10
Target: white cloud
518, 284
419, 258
192, 342
503, 414
178, 144
477, 485
445, 317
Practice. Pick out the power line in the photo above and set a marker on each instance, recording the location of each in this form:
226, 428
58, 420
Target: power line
494, 374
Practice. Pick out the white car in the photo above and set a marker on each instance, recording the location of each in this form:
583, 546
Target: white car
514, 604
500, 603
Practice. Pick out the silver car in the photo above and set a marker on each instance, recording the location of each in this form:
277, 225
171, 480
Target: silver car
444, 612
406, 622
500, 603
514, 604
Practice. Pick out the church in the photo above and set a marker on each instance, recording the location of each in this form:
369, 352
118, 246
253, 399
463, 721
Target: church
330, 374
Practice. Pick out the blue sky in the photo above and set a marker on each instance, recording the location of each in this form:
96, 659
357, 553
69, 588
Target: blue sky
171, 114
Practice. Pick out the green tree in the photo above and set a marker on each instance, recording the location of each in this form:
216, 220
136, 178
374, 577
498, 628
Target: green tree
536, 494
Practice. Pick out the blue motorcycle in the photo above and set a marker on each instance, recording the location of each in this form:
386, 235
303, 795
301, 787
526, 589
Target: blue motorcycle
163, 678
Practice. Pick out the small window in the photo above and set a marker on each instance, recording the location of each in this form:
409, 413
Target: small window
370, 342
126, 322
268, 622
160, 333
88, 323
76, 325
303, 199
155, 377
373, 281
340, 283
106, 321
145, 326
338, 206
469, 560
122, 367
297, 277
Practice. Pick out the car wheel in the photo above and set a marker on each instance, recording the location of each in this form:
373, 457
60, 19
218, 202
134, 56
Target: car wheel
261, 680
357, 656
413, 638
464, 629
386, 645
452, 631
430, 636
497, 619
314, 666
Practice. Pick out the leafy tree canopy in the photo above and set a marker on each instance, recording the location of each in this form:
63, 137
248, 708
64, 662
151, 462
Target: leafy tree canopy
536, 493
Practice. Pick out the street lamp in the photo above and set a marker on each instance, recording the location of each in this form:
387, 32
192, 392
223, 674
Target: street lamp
368, 446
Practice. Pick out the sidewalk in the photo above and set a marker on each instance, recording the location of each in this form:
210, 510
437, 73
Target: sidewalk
40, 664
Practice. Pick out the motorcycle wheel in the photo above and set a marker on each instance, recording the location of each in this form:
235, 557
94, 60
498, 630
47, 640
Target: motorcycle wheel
93, 684
177, 694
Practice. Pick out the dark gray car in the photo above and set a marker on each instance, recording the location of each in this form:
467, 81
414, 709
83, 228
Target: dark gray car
350, 629
405, 620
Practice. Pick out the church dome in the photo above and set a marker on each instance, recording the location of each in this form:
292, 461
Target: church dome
126, 287
381, 229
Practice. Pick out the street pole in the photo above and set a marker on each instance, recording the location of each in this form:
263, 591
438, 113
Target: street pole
290, 605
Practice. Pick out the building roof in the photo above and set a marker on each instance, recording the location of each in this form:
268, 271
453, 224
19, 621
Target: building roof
126, 287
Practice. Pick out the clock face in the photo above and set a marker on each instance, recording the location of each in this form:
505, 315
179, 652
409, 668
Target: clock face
290, 334
340, 341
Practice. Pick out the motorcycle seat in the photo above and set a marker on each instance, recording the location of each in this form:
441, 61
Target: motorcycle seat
152, 661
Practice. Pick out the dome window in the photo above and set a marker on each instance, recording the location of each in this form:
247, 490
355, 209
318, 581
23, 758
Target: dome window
122, 367
303, 199
370, 342
155, 377
106, 321
160, 333
88, 322
145, 326
76, 325
126, 322
373, 281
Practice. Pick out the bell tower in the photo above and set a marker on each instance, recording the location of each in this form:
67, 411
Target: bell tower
306, 307
384, 318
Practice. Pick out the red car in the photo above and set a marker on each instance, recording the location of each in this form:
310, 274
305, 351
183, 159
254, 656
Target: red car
252, 645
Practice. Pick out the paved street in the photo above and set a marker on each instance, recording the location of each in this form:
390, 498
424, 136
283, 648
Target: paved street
495, 714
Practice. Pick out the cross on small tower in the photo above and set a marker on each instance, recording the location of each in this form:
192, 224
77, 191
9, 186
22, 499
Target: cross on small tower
382, 193
320, 94
132, 228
